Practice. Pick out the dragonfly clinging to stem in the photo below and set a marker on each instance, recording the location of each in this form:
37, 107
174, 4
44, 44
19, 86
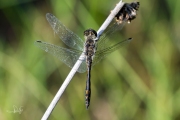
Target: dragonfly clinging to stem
94, 49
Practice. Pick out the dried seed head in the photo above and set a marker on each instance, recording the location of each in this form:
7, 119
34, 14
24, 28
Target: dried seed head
128, 12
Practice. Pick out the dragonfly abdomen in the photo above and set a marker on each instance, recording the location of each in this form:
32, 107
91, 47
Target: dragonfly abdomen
89, 57
88, 87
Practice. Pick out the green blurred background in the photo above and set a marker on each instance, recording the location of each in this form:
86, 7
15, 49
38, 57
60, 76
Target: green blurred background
138, 82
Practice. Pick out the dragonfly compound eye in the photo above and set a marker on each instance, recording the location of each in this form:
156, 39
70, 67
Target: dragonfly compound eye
90, 32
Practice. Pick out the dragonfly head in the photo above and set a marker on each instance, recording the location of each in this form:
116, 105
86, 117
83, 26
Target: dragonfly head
90, 34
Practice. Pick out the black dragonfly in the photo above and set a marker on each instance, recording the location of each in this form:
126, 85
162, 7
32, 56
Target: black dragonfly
94, 49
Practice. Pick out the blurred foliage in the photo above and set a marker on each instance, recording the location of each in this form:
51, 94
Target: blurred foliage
139, 82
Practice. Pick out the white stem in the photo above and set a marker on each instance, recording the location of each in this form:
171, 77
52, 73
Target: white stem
110, 18
78, 63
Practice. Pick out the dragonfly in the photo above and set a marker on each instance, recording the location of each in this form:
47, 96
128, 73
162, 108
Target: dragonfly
94, 49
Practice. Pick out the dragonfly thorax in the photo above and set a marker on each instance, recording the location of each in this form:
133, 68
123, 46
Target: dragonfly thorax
90, 43
89, 47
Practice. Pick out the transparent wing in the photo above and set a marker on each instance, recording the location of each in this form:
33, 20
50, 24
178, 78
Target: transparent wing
100, 54
104, 40
67, 36
69, 57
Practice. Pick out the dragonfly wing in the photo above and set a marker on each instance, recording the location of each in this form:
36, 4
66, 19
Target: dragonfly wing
100, 54
69, 57
67, 36
104, 40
